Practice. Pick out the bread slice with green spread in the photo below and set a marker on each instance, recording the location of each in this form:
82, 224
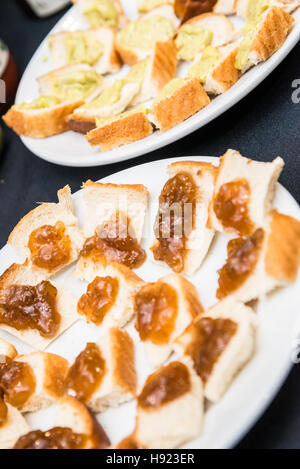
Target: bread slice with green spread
147, 5
208, 29
137, 40
263, 35
78, 81
179, 99
102, 13
95, 47
246, 8
43, 117
215, 68
128, 127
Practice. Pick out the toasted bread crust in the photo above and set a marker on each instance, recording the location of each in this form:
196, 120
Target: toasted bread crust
272, 33
80, 126
225, 74
124, 357
180, 105
283, 249
43, 124
164, 63
121, 132
194, 306
7, 350
191, 165
128, 56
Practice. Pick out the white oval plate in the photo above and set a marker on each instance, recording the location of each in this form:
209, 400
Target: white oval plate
71, 149
254, 388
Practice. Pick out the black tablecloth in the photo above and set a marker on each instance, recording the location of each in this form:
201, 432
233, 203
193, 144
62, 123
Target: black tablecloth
262, 126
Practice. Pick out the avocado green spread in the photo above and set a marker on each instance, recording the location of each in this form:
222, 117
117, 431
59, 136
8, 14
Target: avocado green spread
101, 122
43, 102
191, 40
147, 5
77, 85
102, 13
108, 97
81, 49
143, 34
255, 9
169, 89
137, 73
200, 69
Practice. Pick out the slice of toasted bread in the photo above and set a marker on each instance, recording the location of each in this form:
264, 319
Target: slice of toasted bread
14, 427
166, 324
86, 5
48, 214
122, 311
223, 75
68, 81
187, 9
219, 25
188, 98
269, 35
225, 7
109, 61
7, 350
166, 421
119, 379
288, 5
66, 304
145, 5
40, 123
50, 372
276, 263
127, 128
84, 119
132, 55
220, 349
259, 178
103, 201
199, 239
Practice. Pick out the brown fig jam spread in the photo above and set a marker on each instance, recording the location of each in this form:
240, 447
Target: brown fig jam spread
175, 220
210, 337
26, 307
243, 255
114, 242
50, 247
231, 206
87, 373
156, 307
3, 412
56, 438
17, 382
100, 297
167, 384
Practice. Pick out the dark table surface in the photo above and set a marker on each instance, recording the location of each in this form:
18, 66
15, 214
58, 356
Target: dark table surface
262, 126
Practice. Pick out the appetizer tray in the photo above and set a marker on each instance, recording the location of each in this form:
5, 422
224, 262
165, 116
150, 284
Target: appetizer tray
71, 149
253, 389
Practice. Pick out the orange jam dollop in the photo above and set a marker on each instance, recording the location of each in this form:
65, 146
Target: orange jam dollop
231, 206
156, 306
3, 412
114, 242
27, 307
50, 247
167, 384
175, 220
101, 295
243, 255
56, 438
17, 383
86, 374
210, 337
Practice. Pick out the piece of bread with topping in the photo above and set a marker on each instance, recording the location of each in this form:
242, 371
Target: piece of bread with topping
243, 195
7, 350
201, 178
220, 343
171, 393
102, 13
115, 284
225, 7
164, 309
178, 100
147, 5
244, 8
137, 40
112, 377
41, 118
37, 315
49, 235
13, 428
95, 47
267, 259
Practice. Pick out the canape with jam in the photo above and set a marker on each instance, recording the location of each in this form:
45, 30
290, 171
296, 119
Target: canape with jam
55, 438
17, 383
